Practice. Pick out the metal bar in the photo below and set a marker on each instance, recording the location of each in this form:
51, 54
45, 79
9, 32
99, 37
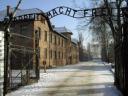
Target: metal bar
22, 50
20, 35
14, 45
92, 12
24, 67
36, 53
6, 44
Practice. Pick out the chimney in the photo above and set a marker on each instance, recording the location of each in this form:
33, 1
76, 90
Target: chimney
8, 10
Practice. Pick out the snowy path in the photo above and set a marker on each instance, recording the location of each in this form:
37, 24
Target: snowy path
83, 79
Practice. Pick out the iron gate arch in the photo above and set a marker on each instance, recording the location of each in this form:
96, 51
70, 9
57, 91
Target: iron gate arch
20, 52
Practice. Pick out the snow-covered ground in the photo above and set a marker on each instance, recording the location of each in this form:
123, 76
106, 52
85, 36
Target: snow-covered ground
83, 79
112, 69
1, 86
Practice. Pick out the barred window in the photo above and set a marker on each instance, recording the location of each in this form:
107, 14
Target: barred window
23, 29
58, 40
51, 37
62, 55
39, 32
59, 55
55, 55
55, 39
45, 53
45, 36
51, 54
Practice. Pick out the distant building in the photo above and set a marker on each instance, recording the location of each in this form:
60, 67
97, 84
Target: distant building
72, 49
95, 48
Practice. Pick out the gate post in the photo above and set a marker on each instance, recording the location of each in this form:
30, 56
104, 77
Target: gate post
37, 54
125, 51
6, 66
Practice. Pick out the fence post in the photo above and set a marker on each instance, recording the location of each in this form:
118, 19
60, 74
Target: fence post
6, 66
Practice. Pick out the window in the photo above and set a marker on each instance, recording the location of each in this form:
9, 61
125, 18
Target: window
45, 36
51, 37
55, 39
58, 41
62, 55
59, 54
45, 53
23, 29
55, 55
39, 32
51, 54
64, 43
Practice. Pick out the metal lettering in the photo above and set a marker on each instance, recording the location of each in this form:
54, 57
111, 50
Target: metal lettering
61, 10
85, 12
54, 12
93, 12
74, 12
49, 14
68, 11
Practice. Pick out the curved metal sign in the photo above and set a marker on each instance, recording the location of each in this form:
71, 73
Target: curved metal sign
75, 13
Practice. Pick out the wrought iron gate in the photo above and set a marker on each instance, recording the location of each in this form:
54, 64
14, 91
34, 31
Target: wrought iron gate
23, 61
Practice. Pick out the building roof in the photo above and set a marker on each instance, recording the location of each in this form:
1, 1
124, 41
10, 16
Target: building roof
62, 30
60, 34
75, 41
20, 12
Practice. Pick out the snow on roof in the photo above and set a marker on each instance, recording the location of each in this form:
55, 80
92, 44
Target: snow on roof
74, 40
62, 30
20, 12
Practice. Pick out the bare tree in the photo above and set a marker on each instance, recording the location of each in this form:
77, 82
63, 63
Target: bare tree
100, 30
81, 47
114, 20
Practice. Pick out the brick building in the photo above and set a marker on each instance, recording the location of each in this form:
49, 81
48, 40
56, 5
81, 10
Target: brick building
55, 43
